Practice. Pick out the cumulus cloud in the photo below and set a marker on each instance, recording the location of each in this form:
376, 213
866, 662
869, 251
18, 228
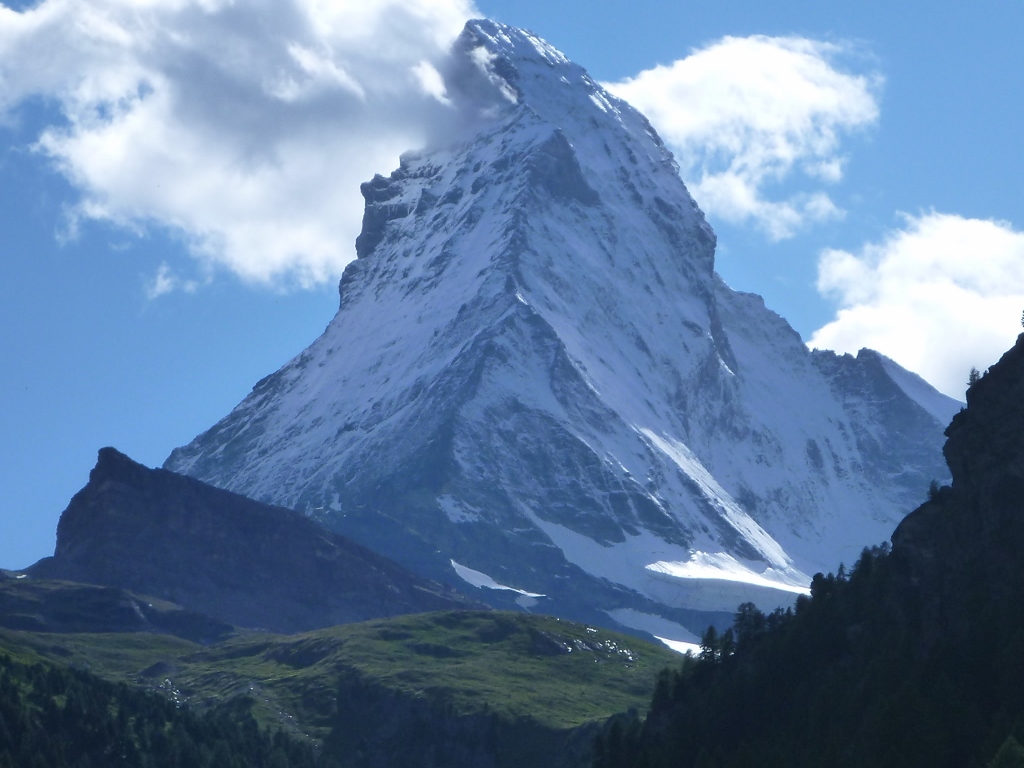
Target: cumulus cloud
245, 128
744, 114
940, 295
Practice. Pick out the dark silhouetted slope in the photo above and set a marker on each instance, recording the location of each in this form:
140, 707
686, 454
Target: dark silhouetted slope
246, 563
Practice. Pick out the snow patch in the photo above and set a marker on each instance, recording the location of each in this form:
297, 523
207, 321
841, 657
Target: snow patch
483, 581
658, 570
665, 630
692, 649
456, 511
721, 565
732, 513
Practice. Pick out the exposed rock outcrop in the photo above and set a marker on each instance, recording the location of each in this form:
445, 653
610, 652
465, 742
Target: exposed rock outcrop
962, 548
212, 551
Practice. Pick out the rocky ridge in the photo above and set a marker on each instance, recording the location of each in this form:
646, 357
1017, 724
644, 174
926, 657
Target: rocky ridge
223, 555
961, 549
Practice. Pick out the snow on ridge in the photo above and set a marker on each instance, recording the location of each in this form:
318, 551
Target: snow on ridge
942, 407
731, 511
723, 566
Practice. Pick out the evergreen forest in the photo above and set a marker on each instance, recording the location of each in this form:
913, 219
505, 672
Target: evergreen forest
56, 717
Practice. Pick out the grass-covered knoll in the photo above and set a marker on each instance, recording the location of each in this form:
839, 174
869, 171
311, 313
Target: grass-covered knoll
118, 656
515, 667
556, 672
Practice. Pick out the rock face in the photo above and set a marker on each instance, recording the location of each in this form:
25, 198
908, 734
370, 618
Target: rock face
246, 563
536, 380
962, 549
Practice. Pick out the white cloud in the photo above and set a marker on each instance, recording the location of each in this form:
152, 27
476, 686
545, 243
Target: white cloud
743, 114
165, 281
245, 127
938, 296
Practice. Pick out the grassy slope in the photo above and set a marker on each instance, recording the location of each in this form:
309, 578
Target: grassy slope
516, 666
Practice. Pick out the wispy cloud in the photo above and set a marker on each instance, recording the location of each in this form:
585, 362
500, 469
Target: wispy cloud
940, 295
744, 114
166, 281
245, 127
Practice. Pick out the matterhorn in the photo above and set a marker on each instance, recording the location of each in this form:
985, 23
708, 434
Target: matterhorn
537, 387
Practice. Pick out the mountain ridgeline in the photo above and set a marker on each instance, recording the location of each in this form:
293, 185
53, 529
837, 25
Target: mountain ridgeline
536, 383
912, 659
217, 553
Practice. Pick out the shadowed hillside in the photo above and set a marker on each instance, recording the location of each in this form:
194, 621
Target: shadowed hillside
246, 563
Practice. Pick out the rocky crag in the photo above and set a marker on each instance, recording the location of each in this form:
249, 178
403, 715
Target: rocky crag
226, 556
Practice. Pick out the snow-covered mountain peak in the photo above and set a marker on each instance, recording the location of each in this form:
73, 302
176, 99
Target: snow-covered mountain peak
535, 376
498, 67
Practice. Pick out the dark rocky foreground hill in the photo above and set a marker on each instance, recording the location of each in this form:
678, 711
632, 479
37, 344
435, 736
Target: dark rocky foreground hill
215, 552
913, 659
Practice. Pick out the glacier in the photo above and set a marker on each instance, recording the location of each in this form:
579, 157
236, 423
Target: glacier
536, 379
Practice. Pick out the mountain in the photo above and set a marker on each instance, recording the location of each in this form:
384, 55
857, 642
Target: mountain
536, 382
217, 553
912, 659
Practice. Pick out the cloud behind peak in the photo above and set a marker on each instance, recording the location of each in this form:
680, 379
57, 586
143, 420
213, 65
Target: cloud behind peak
245, 128
745, 114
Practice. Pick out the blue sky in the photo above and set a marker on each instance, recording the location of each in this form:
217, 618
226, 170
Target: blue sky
157, 259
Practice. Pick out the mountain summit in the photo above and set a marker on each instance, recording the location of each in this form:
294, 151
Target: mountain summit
537, 383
